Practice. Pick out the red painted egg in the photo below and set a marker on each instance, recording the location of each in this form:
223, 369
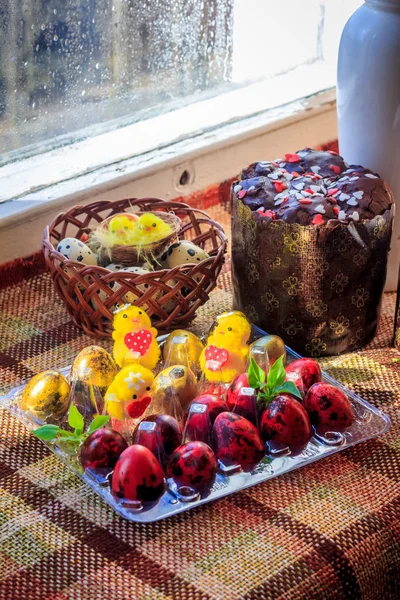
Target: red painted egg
240, 381
193, 464
308, 369
170, 431
236, 440
285, 420
102, 448
137, 475
216, 405
329, 408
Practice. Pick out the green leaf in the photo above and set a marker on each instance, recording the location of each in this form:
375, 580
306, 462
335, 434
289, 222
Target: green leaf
46, 432
63, 433
255, 374
276, 374
72, 439
97, 423
75, 419
266, 460
288, 387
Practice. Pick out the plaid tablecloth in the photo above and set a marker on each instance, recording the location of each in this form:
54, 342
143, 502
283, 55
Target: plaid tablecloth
327, 531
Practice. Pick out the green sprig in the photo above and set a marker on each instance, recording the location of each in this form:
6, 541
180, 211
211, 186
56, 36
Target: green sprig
274, 384
76, 421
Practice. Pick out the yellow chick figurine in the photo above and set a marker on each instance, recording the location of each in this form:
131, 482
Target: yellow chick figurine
121, 228
149, 229
135, 340
128, 394
226, 353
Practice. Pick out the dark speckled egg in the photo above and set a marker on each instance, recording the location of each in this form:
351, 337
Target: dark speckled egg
102, 448
193, 464
329, 408
236, 440
137, 475
307, 369
285, 420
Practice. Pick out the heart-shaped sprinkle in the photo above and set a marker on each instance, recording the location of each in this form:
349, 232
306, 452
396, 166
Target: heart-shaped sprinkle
306, 194
320, 209
354, 178
295, 174
242, 194
345, 178
343, 197
139, 341
315, 169
282, 165
318, 220
305, 200
299, 186
352, 202
342, 215
274, 175
355, 216
280, 186
358, 194
335, 168
216, 357
237, 188
335, 210
315, 188
371, 176
263, 164
292, 158
288, 176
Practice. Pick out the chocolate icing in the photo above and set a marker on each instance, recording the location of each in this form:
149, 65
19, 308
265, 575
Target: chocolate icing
312, 189
311, 268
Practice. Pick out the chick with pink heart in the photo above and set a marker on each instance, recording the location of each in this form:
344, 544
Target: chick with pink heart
226, 353
135, 340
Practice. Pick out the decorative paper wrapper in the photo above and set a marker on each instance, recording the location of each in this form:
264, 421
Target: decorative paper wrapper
397, 318
319, 288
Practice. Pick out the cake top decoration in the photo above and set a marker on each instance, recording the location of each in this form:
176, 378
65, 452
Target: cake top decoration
311, 187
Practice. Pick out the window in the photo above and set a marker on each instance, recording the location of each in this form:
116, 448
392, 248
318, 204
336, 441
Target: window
72, 69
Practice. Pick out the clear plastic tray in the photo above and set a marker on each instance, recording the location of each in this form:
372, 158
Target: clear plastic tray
370, 422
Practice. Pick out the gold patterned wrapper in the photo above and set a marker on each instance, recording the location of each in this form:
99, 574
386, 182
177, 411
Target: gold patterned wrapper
319, 288
397, 318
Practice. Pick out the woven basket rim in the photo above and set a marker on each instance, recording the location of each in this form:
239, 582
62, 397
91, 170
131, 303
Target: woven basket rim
46, 232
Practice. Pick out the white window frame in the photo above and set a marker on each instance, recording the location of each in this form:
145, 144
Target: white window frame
211, 140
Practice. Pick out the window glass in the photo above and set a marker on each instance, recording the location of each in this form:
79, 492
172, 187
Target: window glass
70, 69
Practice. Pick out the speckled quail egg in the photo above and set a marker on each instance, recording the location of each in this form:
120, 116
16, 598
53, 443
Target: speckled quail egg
73, 249
181, 253
115, 267
130, 297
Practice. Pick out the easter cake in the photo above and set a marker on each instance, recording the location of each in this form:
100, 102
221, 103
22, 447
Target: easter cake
311, 236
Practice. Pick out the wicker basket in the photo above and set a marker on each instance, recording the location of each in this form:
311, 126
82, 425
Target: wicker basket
170, 296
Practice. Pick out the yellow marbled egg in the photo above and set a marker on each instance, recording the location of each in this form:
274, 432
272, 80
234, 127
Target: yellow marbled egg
183, 348
46, 395
96, 365
181, 379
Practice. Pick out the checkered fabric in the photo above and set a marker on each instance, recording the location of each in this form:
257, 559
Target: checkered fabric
327, 531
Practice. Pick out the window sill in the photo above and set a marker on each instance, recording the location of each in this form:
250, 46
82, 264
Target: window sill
141, 159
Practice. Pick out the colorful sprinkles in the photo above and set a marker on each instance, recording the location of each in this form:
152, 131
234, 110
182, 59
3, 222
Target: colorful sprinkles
320, 181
